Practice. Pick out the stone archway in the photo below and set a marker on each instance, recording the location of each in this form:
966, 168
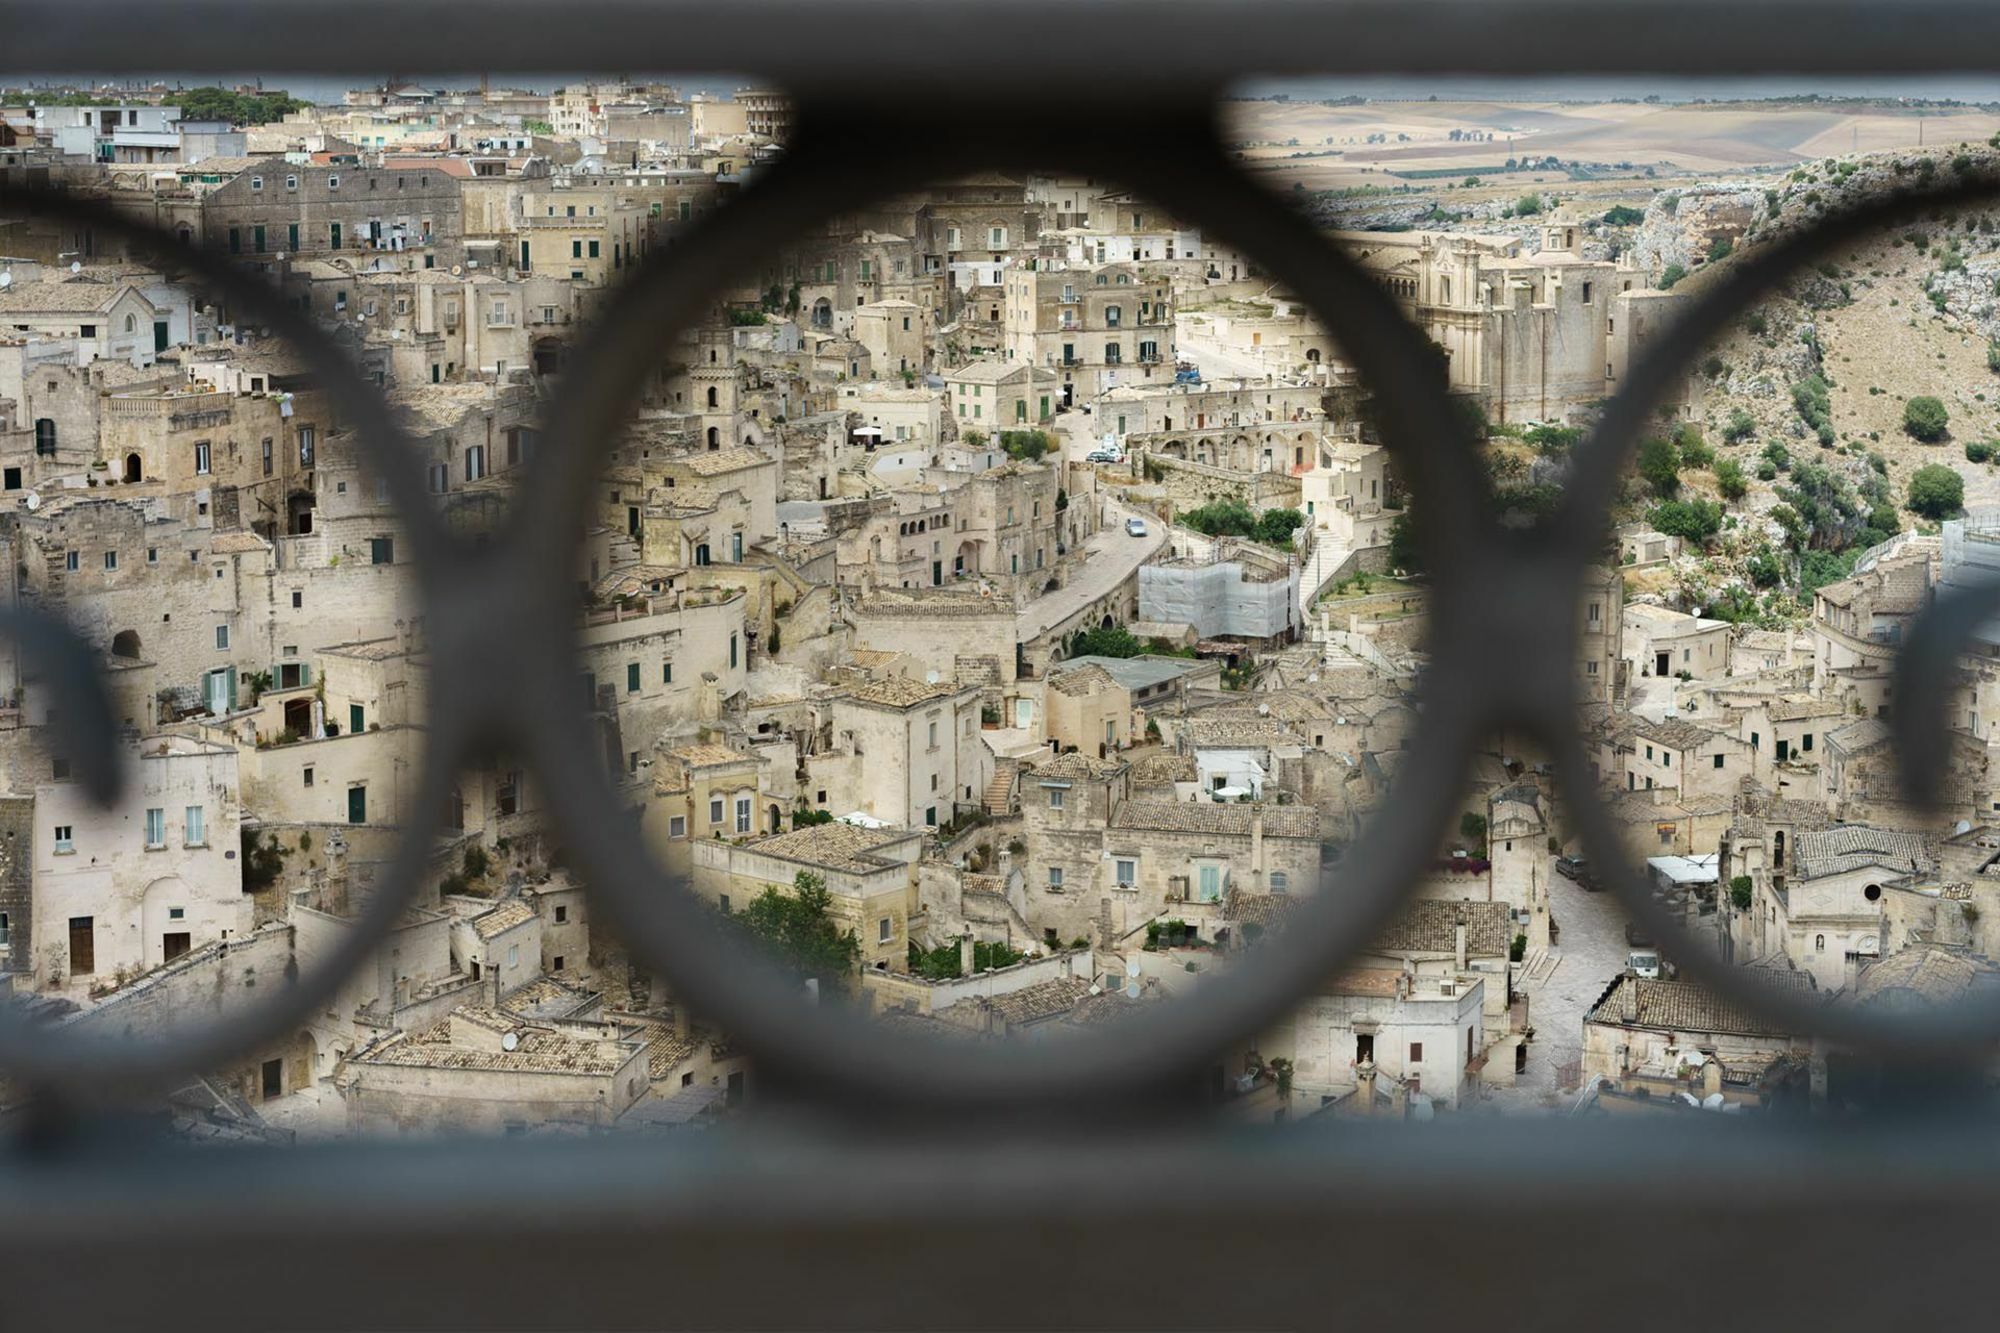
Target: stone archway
135, 468
125, 643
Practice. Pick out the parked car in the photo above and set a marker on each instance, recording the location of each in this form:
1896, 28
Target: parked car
1636, 936
1104, 456
1135, 527
1577, 868
1644, 963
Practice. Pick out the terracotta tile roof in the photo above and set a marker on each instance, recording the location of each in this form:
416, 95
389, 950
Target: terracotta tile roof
1924, 976
1685, 1006
1074, 766
1431, 926
835, 846
1082, 681
502, 919
721, 461
900, 692
1159, 770
1280, 821
1820, 852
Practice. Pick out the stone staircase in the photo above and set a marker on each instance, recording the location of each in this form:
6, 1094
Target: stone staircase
1328, 555
999, 797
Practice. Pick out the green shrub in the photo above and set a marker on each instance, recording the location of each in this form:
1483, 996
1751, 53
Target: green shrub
1729, 478
1720, 249
1691, 520
1978, 451
1694, 449
1925, 418
1670, 275
1740, 426
1739, 892
1936, 491
1660, 466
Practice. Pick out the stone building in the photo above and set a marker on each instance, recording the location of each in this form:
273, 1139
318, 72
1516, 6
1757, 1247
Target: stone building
1096, 327
871, 874
120, 891
273, 207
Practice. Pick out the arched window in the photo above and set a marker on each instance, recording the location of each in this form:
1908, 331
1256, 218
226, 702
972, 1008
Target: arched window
714, 438
125, 643
135, 468
712, 398
701, 554
45, 436
131, 324
1819, 943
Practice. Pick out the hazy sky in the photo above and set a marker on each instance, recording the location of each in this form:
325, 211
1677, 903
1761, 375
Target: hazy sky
1961, 87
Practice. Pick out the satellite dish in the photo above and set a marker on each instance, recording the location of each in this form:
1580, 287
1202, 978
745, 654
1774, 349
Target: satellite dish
510, 1041
1131, 967
76, 266
6, 280
457, 269
282, 256
1132, 989
34, 502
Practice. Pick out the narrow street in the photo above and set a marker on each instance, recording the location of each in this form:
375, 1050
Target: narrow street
1111, 555
1593, 951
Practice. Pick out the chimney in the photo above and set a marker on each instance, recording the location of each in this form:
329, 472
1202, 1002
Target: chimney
1628, 999
683, 1021
1257, 841
1711, 1077
1458, 941
965, 955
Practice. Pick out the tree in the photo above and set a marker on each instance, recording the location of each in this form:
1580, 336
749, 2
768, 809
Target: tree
1026, 445
237, 108
1670, 275
1660, 466
1739, 892
1624, 216
1527, 205
1404, 551
1472, 827
1924, 418
1740, 427
1691, 520
1936, 491
1729, 478
1114, 642
799, 927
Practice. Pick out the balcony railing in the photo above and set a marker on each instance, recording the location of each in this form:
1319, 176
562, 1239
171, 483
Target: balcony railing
1072, 1167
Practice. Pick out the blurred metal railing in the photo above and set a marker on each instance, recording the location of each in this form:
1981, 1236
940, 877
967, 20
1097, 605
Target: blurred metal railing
894, 1182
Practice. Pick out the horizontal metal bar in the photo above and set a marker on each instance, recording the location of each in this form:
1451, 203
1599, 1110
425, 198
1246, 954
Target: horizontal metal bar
902, 45
1634, 1224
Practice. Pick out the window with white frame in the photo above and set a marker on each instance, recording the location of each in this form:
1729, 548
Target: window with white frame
677, 826
156, 828
1127, 872
1055, 798
65, 838
715, 809
196, 827
1055, 877
885, 930
743, 814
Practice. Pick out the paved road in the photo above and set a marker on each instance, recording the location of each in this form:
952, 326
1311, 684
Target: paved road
1218, 362
1593, 951
1110, 557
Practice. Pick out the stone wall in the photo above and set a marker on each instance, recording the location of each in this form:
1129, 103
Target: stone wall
1191, 485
